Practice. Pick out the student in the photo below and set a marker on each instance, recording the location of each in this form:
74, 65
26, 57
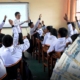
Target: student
3, 73
52, 38
1, 25
12, 54
34, 27
60, 44
40, 31
47, 35
71, 26
17, 20
43, 26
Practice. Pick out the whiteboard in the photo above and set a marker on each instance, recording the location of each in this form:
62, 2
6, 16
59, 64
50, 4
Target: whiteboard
9, 9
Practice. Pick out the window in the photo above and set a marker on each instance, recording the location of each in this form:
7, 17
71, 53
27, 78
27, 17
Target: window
78, 9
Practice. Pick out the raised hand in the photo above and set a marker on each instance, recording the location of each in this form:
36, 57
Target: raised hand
10, 21
40, 16
66, 17
76, 18
5, 18
29, 18
26, 21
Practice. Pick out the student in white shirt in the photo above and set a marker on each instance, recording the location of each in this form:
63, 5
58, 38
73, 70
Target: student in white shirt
17, 20
34, 27
47, 35
12, 53
3, 72
52, 38
1, 25
60, 44
71, 26
40, 31
43, 26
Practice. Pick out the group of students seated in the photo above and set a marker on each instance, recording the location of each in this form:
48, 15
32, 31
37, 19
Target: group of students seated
12, 48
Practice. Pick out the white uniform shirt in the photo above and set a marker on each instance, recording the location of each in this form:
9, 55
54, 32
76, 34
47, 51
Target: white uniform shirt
33, 29
47, 35
40, 31
50, 40
18, 24
71, 31
69, 40
78, 23
58, 45
13, 54
1, 25
2, 69
61, 44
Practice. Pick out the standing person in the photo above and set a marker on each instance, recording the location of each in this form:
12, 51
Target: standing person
17, 20
1, 25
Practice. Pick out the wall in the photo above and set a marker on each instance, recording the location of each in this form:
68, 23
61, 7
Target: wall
52, 12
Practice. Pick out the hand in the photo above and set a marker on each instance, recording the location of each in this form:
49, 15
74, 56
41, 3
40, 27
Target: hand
26, 21
5, 17
29, 18
40, 16
66, 17
76, 18
10, 21
24, 37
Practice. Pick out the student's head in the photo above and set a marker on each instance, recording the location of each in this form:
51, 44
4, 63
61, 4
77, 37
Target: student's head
42, 22
7, 40
73, 25
31, 24
39, 26
1, 37
54, 32
48, 29
62, 32
73, 37
17, 15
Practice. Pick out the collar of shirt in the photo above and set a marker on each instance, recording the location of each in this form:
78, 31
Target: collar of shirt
62, 39
48, 33
9, 49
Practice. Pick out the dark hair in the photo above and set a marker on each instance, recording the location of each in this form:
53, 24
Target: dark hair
7, 40
40, 23
29, 24
73, 24
63, 32
73, 37
49, 28
17, 13
1, 37
54, 32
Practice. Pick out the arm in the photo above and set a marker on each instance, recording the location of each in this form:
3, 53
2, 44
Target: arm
51, 49
26, 44
15, 33
78, 23
1, 25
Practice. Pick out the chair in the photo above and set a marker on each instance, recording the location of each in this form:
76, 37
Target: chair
21, 68
54, 58
38, 49
44, 51
34, 47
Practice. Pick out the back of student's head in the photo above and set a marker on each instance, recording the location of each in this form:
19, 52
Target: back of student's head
73, 37
49, 28
54, 32
73, 24
1, 36
63, 32
16, 13
7, 40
